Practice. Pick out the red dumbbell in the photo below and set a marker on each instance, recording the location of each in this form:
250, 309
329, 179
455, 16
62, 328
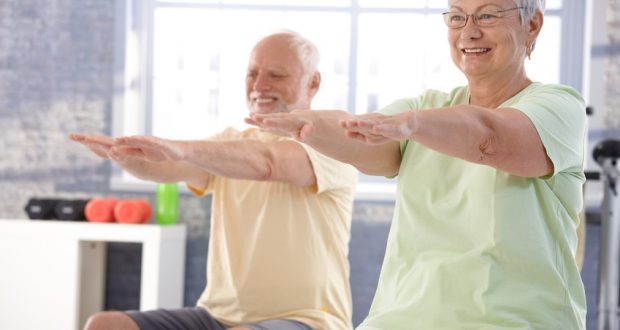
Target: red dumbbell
135, 211
100, 210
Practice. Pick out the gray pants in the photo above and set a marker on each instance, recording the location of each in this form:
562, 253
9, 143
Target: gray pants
196, 318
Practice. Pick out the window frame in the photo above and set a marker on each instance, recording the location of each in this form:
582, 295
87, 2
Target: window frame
134, 63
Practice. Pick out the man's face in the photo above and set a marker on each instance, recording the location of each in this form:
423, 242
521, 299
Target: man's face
276, 80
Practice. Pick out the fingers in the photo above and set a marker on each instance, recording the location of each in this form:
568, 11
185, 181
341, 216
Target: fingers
76, 137
99, 145
367, 138
92, 139
284, 124
250, 121
375, 130
305, 133
155, 149
359, 126
138, 141
121, 149
120, 154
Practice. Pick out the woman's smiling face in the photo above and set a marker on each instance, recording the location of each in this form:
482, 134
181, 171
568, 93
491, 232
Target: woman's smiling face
484, 51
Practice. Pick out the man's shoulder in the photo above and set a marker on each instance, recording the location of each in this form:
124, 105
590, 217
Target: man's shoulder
234, 133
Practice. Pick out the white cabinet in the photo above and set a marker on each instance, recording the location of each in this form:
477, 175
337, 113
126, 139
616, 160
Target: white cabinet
52, 273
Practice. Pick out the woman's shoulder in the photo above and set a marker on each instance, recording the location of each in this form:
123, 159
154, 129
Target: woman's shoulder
538, 88
457, 94
430, 98
552, 97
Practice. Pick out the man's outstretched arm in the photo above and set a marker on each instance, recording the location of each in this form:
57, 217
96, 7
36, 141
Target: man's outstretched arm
284, 161
134, 161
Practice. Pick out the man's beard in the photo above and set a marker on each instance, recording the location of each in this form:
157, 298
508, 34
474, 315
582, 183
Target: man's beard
280, 108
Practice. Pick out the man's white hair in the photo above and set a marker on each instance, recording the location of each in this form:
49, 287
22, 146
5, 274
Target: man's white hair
307, 52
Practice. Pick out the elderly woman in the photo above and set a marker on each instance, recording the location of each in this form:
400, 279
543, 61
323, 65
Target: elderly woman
489, 183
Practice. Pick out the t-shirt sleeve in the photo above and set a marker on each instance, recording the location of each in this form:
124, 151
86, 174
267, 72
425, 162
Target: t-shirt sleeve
330, 174
399, 106
559, 116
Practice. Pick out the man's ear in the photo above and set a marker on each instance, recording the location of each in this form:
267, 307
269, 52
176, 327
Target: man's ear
315, 83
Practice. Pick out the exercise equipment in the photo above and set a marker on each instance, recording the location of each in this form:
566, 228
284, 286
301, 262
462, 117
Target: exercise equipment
136, 211
100, 210
606, 154
70, 210
132, 211
56, 209
41, 208
167, 203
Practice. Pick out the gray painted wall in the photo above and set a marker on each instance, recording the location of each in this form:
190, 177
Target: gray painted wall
56, 67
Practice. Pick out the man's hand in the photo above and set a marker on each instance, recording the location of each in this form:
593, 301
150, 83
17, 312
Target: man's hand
146, 148
146, 157
151, 148
99, 144
106, 147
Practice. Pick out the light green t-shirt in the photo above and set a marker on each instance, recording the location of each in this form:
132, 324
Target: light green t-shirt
472, 247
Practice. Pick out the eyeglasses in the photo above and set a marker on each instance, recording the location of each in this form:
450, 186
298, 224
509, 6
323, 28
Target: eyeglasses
456, 20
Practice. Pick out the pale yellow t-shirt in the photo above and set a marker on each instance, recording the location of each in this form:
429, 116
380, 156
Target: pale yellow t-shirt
280, 251
473, 247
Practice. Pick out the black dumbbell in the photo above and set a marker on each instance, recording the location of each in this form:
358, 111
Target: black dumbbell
72, 210
41, 208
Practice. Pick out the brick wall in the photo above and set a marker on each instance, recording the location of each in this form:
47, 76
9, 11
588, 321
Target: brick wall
55, 77
612, 101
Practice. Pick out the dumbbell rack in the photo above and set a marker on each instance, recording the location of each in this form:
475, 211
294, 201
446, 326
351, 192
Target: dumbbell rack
60, 265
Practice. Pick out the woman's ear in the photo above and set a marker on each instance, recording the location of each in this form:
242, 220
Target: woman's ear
534, 25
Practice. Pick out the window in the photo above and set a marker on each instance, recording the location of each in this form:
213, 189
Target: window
182, 65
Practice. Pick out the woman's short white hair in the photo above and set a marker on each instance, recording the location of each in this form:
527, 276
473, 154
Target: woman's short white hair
528, 8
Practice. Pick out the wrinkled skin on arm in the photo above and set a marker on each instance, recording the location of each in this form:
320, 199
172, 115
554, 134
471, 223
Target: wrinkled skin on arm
322, 130
162, 160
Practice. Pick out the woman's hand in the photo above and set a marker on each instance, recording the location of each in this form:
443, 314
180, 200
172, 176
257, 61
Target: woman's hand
297, 124
375, 128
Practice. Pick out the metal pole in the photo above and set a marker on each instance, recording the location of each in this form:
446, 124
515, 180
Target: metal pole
609, 275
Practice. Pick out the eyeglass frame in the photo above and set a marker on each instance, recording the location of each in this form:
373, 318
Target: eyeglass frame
475, 16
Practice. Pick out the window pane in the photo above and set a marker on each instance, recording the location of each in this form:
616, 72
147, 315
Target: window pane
393, 68
327, 3
403, 4
434, 4
553, 4
545, 63
199, 72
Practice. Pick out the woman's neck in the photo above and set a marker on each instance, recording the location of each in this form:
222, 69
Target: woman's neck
491, 93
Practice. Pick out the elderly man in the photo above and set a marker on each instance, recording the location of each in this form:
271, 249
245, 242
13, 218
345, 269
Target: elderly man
281, 212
